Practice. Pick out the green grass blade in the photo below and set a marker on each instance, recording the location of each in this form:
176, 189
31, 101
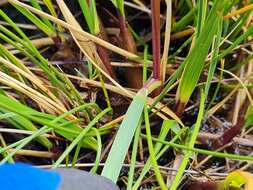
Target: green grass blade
69, 132
193, 138
119, 4
204, 152
152, 151
23, 123
124, 137
87, 14
133, 157
99, 151
195, 60
80, 137
214, 59
40, 24
36, 5
202, 8
167, 125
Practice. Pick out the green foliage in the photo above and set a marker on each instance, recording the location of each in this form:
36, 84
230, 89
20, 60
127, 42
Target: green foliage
90, 13
195, 60
119, 4
26, 115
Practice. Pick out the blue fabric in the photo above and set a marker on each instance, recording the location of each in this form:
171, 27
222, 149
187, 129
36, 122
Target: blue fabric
24, 177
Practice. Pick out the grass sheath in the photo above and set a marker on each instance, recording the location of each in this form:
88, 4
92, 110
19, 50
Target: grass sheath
133, 75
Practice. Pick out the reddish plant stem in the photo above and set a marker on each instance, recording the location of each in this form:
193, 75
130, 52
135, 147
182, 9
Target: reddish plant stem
209, 185
128, 41
232, 132
180, 106
103, 52
133, 75
156, 44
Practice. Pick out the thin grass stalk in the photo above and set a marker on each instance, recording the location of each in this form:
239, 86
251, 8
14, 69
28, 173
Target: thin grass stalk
193, 138
30, 76
145, 69
23, 123
107, 99
133, 75
40, 118
55, 76
213, 62
166, 40
99, 151
159, 152
202, 8
36, 5
152, 151
96, 28
202, 151
40, 24
4, 145
133, 157
80, 137
156, 43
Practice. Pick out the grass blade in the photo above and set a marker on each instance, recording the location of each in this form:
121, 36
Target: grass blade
124, 137
195, 60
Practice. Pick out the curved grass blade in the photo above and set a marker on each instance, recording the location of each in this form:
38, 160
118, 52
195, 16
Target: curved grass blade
80, 137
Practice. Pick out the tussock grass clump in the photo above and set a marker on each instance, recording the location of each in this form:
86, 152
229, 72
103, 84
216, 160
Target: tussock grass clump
141, 92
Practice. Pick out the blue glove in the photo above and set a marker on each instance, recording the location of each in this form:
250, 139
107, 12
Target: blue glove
24, 177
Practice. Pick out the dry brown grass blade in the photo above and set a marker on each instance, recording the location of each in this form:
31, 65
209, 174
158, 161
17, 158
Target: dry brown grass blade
38, 43
25, 72
88, 47
166, 40
161, 110
220, 104
239, 11
44, 102
35, 153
